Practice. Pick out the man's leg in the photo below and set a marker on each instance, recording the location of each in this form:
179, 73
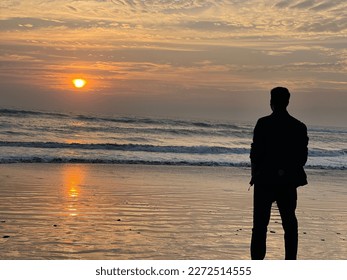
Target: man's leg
286, 203
262, 201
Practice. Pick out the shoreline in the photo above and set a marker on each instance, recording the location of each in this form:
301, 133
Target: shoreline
106, 211
246, 166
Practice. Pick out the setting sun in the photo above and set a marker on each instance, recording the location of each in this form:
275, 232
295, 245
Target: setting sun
79, 83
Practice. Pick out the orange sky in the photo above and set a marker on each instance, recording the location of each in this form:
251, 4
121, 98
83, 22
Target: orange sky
199, 59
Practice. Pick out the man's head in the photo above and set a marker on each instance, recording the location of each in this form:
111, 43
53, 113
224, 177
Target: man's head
279, 98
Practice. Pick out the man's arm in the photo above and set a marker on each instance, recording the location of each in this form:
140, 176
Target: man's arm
304, 146
257, 148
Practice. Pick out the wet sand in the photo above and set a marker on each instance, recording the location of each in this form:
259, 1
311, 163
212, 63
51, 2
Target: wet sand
76, 211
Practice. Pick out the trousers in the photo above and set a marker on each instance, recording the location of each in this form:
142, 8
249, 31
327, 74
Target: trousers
286, 199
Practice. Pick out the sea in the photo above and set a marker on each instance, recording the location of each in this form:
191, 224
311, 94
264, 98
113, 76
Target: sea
51, 137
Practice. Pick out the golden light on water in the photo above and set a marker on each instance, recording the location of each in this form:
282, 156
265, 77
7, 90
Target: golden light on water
73, 178
79, 83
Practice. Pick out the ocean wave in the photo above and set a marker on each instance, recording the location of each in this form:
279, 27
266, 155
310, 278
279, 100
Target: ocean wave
326, 153
155, 130
128, 147
324, 130
115, 161
166, 125
161, 122
125, 120
156, 149
76, 160
14, 112
34, 136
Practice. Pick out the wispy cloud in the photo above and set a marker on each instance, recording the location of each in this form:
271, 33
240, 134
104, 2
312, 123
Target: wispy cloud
246, 43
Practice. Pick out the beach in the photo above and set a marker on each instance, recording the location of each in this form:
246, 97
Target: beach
119, 211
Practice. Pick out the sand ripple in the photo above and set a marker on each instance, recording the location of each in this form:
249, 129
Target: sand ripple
147, 212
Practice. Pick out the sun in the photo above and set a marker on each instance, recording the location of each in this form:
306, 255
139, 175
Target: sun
79, 83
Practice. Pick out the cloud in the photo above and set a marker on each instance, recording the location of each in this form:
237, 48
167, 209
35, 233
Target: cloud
328, 5
304, 4
180, 20
315, 5
27, 23
168, 42
72, 8
332, 25
283, 4
23, 23
18, 58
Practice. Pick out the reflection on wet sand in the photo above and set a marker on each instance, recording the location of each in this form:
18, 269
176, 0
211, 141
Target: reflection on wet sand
73, 178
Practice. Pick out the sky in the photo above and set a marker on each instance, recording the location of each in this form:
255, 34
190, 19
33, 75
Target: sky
213, 60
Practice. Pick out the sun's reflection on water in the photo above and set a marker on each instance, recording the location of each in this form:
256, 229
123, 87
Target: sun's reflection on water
73, 180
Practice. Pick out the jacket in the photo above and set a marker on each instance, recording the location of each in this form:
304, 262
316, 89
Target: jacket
279, 150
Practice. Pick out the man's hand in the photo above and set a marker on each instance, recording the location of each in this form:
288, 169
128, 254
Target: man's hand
251, 182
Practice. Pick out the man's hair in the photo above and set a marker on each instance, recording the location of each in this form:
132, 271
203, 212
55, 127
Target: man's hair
280, 97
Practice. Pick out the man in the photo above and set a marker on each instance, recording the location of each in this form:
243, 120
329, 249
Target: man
278, 155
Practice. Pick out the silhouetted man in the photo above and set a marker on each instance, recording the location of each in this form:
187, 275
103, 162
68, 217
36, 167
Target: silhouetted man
278, 155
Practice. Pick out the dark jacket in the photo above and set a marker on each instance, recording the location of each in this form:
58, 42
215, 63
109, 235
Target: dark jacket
279, 150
